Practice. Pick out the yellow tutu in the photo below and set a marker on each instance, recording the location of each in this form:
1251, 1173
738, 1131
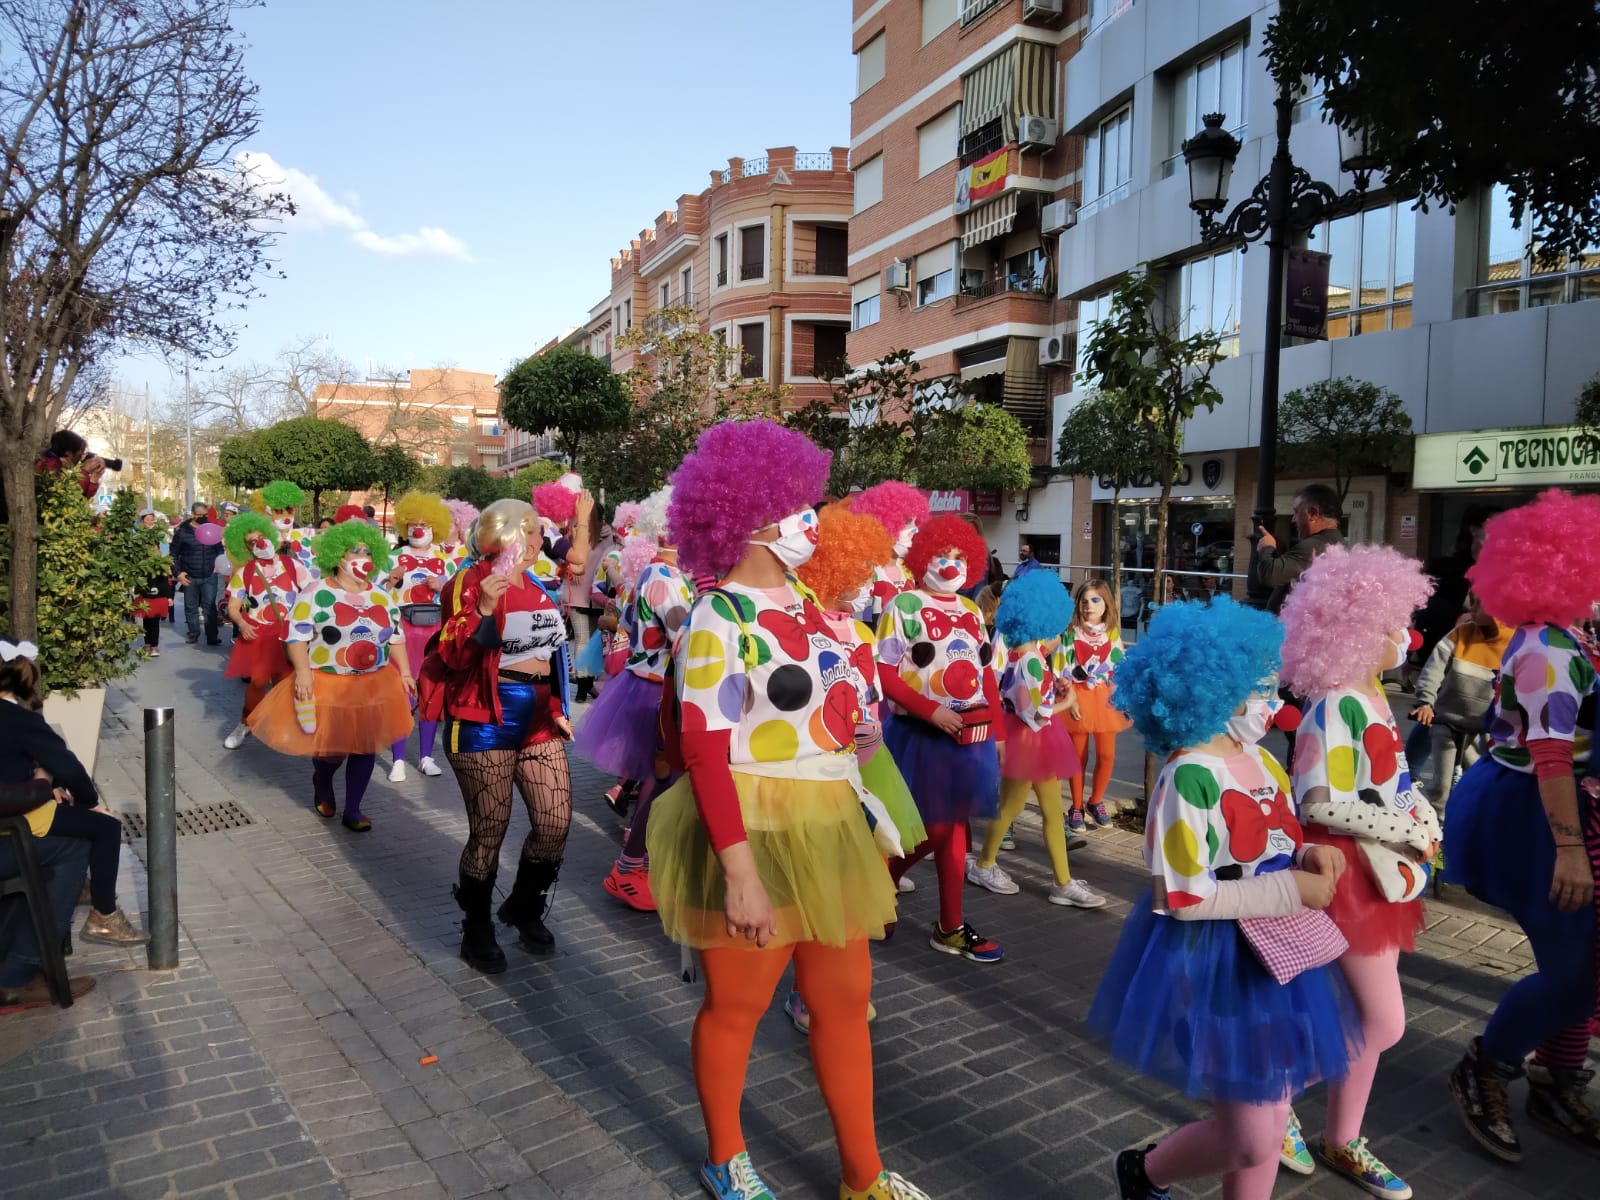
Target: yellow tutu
823, 872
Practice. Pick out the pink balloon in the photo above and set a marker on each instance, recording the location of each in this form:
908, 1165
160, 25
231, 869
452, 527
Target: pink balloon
208, 534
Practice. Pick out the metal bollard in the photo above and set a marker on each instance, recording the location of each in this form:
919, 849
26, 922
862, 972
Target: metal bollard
161, 837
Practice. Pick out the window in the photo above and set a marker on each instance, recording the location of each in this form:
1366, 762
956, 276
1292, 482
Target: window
627, 314
1210, 297
1510, 274
1091, 310
753, 346
1370, 273
864, 302
869, 183
833, 242
971, 10
720, 257
752, 251
827, 351
1101, 11
936, 141
937, 16
869, 64
1214, 84
686, 286
936, 274
1108, 161
665, 293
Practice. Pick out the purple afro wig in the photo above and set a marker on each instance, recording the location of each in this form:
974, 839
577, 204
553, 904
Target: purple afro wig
555, 502
893, 504
742, 476
1540, 564
1338, 615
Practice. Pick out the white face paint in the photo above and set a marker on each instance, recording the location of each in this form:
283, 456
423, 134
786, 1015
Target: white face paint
284, 520
945, 574
902, 544
797, 539
359, 563
419, 536
261, 548
1250, 726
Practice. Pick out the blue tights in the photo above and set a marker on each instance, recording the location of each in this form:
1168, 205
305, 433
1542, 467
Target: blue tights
1560, 995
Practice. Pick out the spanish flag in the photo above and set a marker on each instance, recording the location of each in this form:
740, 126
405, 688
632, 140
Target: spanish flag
988, 175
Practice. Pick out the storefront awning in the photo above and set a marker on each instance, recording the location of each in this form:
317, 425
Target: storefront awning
993, 220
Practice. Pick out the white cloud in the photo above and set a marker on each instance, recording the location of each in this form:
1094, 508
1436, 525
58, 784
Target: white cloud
316, 209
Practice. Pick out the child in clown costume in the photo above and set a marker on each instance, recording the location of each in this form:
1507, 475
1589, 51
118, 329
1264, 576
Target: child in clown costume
265, 586
422, 567
900, 509
1091, 651
281, 499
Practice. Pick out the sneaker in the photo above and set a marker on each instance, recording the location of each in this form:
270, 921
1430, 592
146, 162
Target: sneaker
616, 801
735, 1179
397, 773
1132, 1182
1008, 842
1102, 818
236, 739
1362, 1168
1076, 841
906, 885
994, 878
1075, 821
795, 1009
965, 942
113, 930
1557, 1104
429, 767
1295, 1156
630, 887
1075, 893
887, 1186
1479, 1085
152, 652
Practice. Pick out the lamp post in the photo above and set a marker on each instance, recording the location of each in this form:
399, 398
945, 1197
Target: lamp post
188, 440
1284, 203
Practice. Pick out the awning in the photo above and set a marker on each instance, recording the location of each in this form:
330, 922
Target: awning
1034, 81
994, 366
986, 92
1020, 80
993, 220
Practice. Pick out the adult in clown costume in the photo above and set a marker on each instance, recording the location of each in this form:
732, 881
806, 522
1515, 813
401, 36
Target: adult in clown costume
265, 586
421, 569
281, 499
901, 510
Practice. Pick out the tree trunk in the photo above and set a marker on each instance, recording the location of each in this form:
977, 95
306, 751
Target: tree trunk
23, 581
1158, 582
316, 506
1116, 548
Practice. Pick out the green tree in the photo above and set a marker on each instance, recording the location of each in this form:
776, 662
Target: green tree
566, 390
1588, 417
1351, 424
320, 455
472, 484
974, 446
395, 472
247, 461
521, 485
1525, 113
1101, 440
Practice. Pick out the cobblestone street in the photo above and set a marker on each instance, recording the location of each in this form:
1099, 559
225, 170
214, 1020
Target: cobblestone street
319, 967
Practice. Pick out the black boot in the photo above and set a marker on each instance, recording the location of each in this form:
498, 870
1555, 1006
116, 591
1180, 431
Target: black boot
529, 903
478, 946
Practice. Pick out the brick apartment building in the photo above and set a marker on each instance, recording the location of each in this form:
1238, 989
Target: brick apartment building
442, 416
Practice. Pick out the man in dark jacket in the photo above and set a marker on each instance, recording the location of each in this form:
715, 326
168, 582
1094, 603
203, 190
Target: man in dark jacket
193, 565
1316, 524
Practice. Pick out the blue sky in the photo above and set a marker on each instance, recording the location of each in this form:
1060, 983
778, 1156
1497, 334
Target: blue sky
477, 163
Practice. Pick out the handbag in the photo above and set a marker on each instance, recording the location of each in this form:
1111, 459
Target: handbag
1399, 877
422, 615
975, 727
1288, 946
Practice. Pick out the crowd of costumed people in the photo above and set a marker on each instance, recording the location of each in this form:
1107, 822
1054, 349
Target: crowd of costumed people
794, 702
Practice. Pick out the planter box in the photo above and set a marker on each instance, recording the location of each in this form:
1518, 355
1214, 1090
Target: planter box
77, 720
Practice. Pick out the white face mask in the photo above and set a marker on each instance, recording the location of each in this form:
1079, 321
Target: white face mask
945, 575
797, 539
855, 601
419, 536
262, 550
1397, 653
902, 544
1250, 726
284, 522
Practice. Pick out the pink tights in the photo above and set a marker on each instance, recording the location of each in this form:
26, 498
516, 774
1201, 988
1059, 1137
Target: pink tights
1240, 1143
1374, 981
948, 845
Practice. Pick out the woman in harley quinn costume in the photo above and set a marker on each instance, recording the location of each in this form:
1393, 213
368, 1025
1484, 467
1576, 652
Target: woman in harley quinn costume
900, 509
1092, 650
946, 730
421, 569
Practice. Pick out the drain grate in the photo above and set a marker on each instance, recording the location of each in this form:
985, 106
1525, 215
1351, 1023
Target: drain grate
201, 819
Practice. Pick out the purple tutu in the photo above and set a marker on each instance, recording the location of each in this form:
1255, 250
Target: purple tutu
1032, 754
619, 733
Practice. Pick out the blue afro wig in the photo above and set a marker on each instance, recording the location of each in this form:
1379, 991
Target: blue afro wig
1035, 608
1194, 665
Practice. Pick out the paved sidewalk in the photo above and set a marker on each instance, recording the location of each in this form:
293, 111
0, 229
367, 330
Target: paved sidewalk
319, 968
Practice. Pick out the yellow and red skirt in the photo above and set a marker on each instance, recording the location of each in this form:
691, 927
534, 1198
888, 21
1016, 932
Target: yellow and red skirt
356, 714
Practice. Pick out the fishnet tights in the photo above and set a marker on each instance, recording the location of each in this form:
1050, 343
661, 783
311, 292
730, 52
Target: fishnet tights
541, 775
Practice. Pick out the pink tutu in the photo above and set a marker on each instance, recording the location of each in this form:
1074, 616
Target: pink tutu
1038, 754
417, 639
619, 733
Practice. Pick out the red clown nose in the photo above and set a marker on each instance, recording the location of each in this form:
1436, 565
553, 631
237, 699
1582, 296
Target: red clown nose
1286, 718
1413, 640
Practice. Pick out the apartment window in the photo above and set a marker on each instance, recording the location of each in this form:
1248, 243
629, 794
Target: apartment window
753, 346
686, 286
1211, 297
1512, 277
752, 251
971, 10
869, 64
936, 274
665, 293
827, 351
1108, 161
864, 302
833, 249
869, 183
1101, 11
1370, 274
1091, 311
937, 16
627, 314
1213, 84
936, 141
720, 256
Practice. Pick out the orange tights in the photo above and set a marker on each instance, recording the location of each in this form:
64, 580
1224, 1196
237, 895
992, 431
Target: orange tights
835, 984
1105, 758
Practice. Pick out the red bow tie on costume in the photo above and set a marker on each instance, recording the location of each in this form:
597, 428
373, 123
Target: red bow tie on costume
349, 614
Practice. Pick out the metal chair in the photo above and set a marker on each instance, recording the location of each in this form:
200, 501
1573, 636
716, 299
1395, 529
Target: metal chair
29, 884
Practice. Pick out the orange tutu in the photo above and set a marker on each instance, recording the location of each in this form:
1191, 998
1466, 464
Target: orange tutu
356, 714
1098, 715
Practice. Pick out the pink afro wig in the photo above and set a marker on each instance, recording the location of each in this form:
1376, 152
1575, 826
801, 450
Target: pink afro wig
1338, 615
742, 476
893, 504
555, 502
462, 516
942, 534
637, 552
1540, 564
622, 520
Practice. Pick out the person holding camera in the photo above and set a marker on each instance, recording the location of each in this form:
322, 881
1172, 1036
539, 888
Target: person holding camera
1316, 524
194, 557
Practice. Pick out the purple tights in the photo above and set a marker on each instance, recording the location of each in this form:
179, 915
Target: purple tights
425, 734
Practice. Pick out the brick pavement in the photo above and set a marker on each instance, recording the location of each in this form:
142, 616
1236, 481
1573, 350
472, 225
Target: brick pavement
320, 966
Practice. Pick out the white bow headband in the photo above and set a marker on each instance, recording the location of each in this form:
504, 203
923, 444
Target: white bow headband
8, 650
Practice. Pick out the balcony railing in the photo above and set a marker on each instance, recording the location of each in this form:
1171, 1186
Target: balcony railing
1535, 291
750, 168
814, 160
981, 142
807, 367
1105, 200
722, 277
971, 10
748, 271
1026, 285
821, 266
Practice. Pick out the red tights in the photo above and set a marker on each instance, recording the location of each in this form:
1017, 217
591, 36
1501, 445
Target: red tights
948, 845
1105, 759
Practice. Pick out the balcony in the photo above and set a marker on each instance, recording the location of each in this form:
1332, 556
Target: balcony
752, 167
809, 366
974, 288
832, 267
722, 277
749, 271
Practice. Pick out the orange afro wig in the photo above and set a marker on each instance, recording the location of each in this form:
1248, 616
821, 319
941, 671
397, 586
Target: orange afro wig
942, 534
849, 545
1540, 564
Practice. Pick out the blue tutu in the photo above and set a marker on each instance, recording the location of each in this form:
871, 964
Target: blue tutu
951, 783
591, 660
1497, 845
1188, 1003
619, 733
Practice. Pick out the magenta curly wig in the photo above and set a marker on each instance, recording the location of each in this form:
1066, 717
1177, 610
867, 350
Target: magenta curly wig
742, 476
1338, 615
462, 516
893, 505
555, 502
1540, 564
947, 533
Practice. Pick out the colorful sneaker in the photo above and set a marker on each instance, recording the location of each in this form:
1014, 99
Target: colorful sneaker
630, 887
1295, 1156
1557, 1104
735, 1179
1362, 1168
617, 801
994, 878
887, 1186
1132, 1182
1102, 818
1075, 821
1075, 893
966, 942
1480, 1086
795, 1009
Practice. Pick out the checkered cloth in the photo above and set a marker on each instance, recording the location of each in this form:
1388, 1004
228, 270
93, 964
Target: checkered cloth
1287, 946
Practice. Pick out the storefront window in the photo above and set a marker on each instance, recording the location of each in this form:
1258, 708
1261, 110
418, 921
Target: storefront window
1203, 562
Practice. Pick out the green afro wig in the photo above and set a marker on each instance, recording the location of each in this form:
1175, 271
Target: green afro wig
331, 545
241, 527
281, 494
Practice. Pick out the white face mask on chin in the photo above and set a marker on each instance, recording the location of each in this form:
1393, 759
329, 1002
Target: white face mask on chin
420, 539
1250, 726
1396, 656
796, 541
944, 576
902, 544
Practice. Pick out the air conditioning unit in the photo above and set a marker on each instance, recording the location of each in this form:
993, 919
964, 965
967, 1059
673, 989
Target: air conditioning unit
1037, 133
897, 277
1053, 349
1058, 216
1040, 10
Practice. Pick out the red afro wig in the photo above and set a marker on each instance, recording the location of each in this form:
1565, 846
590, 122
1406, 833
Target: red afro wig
947, 533
555, 502
894, 505
849, 545
350, 512
1540, 564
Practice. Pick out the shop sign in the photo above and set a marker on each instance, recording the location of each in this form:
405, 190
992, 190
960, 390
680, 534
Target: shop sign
1200, 475
1408, 526
1505, 458
949, 502
987, 502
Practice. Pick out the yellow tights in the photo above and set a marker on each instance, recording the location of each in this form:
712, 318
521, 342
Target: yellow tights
1013, 799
